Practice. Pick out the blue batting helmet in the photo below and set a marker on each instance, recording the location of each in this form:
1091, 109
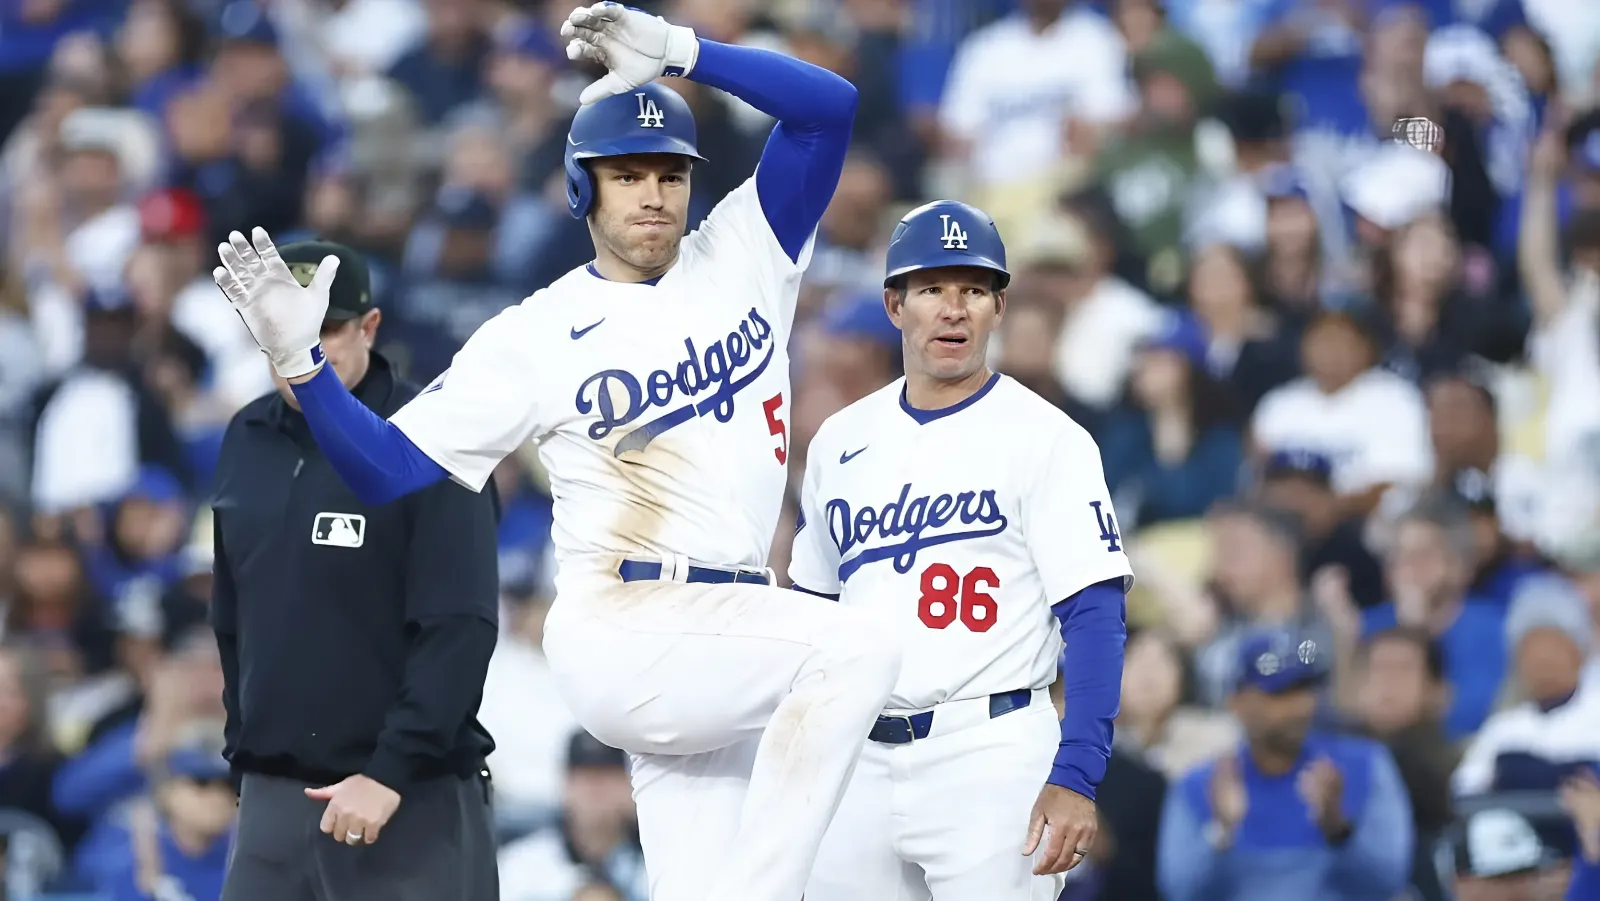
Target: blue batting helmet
946, 233
650, 119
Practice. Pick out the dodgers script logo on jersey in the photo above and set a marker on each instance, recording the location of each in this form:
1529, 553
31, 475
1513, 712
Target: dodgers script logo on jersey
722, 364
917, 519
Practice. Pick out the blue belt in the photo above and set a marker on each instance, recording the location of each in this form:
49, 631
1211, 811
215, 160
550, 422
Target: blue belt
898, 730
642, 571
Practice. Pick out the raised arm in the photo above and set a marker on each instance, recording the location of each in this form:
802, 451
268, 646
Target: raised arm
463, 432
815, 109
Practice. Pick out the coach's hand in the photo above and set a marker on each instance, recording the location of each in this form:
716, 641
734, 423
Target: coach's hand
634, 46
284, 317
1066, 822
358, 809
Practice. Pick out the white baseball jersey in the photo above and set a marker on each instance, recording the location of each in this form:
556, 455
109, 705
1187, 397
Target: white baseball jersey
660, 410
964, 525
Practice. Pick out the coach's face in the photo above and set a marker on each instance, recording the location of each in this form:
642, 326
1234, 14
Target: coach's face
945, 317
641, 205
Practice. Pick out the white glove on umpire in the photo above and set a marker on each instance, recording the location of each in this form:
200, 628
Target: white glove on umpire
283, 317
637, 47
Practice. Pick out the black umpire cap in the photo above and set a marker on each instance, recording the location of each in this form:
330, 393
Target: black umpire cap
351, 294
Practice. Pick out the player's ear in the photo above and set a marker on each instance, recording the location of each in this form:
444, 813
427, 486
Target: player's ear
893, 301
999, 304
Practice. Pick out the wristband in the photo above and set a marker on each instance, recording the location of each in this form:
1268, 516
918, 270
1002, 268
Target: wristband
298, 363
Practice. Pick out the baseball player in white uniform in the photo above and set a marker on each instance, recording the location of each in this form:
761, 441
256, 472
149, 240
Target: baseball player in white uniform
655, 382
975, 516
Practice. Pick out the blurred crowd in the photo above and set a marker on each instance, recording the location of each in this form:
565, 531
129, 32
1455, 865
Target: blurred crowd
1345, 389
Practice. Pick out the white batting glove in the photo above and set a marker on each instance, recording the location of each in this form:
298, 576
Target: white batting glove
283, 317
636, 47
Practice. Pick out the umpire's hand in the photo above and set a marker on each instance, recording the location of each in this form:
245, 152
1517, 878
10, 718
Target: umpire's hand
1070, 821
357, 810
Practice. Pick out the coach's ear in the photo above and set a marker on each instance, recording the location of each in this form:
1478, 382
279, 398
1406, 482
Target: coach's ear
894, 301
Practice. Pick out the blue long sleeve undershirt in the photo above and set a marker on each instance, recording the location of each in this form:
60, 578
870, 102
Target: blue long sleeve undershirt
1093, 624
815, 109
371, 454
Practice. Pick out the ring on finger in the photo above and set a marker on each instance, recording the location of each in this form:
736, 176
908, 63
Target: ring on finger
352, 838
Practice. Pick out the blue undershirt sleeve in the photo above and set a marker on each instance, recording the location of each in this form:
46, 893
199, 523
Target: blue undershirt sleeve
371, 454
1094, 628
815, 109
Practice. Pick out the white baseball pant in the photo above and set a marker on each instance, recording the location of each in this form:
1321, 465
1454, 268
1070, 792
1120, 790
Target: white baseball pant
743, 707
944, 817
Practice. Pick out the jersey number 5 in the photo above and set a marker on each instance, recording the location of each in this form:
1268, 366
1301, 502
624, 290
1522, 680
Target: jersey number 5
947, 596
776, 427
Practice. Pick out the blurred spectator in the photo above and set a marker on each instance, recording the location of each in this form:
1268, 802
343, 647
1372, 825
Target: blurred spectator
27, 742
1027, 340
1151, 167
846, 256
1400, 699
99, 423
1158, 723
349, 38
451, 287
1429, 572
137, 557
161, 48
106, 782
859, 348
1369, 422
1067, 262
20, 377
1580, 798
54, 611
1175, 448
179, 847
1565, 342
522, 710
1463, 420
1537, 743
1499, 570
1436, 324
1251, 348
173, 225
1495, 855
1006, 133
1334, 554
1256, 585
443, 69
597, 833
1291, 813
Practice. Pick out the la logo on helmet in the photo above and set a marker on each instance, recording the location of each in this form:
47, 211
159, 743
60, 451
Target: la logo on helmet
650, 115
954, 237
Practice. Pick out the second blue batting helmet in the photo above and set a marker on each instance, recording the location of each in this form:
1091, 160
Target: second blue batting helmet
946, 233
650, 119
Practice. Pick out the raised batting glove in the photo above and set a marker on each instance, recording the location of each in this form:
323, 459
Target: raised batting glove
636, 47
283, 317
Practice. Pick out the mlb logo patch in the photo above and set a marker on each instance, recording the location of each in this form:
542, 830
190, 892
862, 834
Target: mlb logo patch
339, 529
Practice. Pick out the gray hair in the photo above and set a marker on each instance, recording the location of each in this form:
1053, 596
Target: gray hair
1450, 516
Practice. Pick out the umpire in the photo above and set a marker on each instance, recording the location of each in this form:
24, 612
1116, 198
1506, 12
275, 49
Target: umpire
354, 643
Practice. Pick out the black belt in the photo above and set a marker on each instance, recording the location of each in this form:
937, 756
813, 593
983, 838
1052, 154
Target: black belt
642, 571
899, 730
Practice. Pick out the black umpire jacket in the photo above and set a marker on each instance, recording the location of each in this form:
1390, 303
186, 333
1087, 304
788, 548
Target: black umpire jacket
354, 639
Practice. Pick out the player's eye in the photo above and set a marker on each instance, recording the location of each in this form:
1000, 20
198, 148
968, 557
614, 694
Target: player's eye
624, 178
672, 179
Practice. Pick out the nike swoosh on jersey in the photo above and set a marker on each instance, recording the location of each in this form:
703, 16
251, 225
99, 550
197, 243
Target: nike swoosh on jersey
580, 332
846, 458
